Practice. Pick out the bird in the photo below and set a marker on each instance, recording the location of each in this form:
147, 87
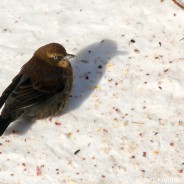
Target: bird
41, 89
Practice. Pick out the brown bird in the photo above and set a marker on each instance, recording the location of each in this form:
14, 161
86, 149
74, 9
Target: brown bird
40, 89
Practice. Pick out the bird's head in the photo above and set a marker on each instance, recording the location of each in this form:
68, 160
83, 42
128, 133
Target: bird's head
54, 54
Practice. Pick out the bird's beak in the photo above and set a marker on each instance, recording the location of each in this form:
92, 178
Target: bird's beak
65, 62
69, 56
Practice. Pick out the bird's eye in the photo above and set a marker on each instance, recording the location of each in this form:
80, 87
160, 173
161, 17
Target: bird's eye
55, 58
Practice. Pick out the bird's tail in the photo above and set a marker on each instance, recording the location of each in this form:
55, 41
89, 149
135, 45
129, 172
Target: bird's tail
4, 123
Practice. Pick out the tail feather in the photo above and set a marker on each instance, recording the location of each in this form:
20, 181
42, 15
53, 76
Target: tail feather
4, 123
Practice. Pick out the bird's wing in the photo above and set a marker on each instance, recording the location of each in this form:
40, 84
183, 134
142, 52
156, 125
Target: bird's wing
27, 94
9, 89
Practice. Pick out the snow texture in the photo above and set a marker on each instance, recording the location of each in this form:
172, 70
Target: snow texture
124, 123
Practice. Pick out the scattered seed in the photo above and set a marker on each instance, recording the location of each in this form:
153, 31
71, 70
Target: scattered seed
76, 152
84, 61
105, 130
136, 51
86, 77
38, 171
57, 123
171, 144
132, 41
144, 154
14, 132
23, 164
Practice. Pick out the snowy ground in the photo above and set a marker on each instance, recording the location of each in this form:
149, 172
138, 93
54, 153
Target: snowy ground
125, 120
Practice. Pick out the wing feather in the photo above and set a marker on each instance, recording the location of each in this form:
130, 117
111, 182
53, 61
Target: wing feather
25, 95
9, 89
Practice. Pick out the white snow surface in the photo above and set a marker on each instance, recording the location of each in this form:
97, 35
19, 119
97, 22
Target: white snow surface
126, 113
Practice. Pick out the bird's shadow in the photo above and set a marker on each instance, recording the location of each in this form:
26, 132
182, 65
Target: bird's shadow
88, 69
20, 126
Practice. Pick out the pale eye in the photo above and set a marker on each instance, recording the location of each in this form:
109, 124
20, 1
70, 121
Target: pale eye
55, 58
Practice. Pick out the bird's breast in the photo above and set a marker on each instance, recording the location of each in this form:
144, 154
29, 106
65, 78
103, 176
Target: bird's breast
55, 104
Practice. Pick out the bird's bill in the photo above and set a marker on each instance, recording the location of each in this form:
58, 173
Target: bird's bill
64, 63
70, 56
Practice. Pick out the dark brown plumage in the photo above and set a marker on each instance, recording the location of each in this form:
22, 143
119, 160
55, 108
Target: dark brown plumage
41, 88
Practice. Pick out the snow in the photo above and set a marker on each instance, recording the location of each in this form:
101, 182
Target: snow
125, 122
